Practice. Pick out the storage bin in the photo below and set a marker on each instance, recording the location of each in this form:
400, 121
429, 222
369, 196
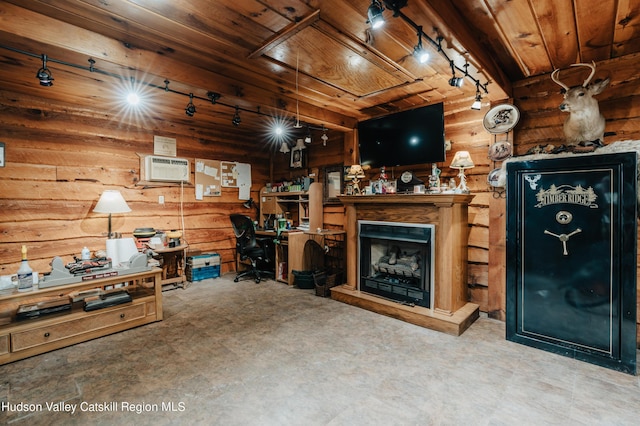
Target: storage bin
198, 274
303, 279
202, 260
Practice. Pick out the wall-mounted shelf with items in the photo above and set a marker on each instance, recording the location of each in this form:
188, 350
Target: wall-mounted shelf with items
304, 209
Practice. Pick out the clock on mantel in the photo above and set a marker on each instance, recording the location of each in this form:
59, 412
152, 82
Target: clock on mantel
407, 181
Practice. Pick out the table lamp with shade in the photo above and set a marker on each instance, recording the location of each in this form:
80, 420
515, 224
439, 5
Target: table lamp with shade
111, 201
461, 161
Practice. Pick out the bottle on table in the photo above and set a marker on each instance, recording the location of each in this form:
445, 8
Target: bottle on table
25, 273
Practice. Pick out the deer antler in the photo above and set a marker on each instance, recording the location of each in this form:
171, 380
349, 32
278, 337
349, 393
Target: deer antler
558, 82
592, 65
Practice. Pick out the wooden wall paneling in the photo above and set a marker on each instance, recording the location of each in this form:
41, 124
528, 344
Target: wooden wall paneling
496, 297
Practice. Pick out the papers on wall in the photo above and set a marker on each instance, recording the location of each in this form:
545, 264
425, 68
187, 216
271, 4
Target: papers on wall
208, 178
164, 146
213, 175
229, 174
244, 180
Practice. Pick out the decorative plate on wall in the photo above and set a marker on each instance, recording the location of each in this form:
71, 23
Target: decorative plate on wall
500, 151
501, 118
493, 179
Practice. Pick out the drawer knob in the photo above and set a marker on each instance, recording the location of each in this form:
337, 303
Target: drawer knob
47, 334
121, 315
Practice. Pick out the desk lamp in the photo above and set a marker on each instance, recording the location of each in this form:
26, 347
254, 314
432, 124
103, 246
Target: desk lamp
461, 161
111, 201
355, 173
249, 204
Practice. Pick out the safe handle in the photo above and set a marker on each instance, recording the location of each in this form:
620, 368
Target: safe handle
563, 238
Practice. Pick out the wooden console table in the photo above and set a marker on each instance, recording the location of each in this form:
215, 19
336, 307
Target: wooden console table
451, 312
24, 338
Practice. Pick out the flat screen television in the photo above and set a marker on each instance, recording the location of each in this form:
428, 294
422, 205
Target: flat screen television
405, 138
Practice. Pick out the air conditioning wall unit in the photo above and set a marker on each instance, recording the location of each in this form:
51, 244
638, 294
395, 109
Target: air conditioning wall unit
167, 169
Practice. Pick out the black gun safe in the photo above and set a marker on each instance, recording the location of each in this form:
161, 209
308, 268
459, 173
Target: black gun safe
571, 257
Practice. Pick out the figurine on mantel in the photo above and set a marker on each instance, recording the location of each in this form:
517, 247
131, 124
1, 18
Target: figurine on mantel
383, 174
434, 178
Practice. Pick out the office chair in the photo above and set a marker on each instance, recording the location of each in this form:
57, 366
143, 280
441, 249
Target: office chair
248, 247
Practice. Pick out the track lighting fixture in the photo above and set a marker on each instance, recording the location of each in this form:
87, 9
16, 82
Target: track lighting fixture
477, 104
213, 97
191, 108
236, 118
43, 74
376, 19
374, 13
46, 79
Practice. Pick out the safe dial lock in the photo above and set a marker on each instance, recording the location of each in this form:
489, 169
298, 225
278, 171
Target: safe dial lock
564, 217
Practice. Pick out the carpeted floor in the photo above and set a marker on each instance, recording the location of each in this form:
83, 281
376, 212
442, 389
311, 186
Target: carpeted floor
266, 354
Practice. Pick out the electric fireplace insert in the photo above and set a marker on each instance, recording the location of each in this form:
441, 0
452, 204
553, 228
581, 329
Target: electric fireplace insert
396, 261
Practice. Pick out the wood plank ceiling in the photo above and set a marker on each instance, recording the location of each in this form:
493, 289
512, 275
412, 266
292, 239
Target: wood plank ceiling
313, 59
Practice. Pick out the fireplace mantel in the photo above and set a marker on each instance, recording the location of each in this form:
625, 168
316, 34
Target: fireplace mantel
451, 312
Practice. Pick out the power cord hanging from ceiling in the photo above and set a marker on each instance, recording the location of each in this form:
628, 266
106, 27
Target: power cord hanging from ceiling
297, 125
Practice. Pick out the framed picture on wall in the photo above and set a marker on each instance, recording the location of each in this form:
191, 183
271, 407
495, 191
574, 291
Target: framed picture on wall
298, 158
333, 183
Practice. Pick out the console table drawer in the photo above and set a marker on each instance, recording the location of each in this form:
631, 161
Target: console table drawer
51, 333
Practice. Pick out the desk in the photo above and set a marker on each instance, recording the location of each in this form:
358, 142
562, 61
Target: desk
290, 249
172, 263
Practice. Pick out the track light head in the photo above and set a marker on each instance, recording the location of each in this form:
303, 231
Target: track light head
477, 104
420, 53
190, 110
213, 96
456, 81
374, 13
236, 118
43, 74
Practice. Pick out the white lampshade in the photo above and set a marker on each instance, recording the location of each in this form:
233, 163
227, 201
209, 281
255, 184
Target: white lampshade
462, 160
111, 201
284, 148
300, 144
355, 172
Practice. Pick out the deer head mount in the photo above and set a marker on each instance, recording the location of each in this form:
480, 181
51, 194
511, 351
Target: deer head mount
585, 122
